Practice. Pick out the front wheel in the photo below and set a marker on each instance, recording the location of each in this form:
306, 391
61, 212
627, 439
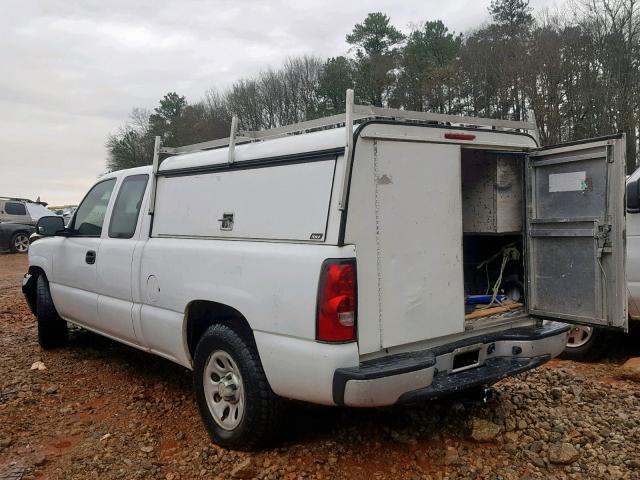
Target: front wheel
52, 330
586, 343
237, 405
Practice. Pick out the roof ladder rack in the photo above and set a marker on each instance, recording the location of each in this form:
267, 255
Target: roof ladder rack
232, 139
354, 114
348, 148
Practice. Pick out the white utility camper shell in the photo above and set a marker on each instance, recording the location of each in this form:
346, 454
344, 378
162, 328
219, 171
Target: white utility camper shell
365, 259
410, 208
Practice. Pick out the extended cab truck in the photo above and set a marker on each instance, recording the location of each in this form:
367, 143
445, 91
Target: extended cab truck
333, 267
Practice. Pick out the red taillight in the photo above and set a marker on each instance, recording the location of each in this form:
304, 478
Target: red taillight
336, 315
459, 136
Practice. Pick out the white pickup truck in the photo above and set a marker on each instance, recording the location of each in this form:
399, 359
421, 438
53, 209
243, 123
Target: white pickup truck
338, 261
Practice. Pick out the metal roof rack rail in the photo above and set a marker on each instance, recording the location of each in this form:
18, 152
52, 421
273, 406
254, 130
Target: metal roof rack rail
354, 114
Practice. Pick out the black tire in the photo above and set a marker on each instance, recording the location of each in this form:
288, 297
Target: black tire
596, 347
52, 330
18, 242
260, 419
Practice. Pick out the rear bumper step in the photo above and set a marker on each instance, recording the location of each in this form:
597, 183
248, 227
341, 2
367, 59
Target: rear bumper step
493, 370
413, 376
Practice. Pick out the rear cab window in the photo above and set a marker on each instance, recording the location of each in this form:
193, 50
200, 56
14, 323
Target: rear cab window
126, 209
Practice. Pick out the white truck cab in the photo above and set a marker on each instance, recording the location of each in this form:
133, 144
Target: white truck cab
633, 244
342, 266
588, 343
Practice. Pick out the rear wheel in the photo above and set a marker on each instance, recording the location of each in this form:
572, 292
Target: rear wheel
237, 405
52, 330
586, 343
20, 242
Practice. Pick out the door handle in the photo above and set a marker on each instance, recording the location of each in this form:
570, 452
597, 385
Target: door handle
90, 257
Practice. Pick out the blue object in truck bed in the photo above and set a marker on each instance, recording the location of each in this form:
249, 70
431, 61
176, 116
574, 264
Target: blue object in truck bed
476, 299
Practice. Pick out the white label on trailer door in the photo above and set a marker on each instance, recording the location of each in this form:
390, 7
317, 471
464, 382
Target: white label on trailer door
568, 182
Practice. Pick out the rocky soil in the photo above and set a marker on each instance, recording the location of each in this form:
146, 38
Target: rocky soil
97, 409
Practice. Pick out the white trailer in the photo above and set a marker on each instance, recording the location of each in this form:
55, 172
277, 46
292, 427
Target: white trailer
337, 261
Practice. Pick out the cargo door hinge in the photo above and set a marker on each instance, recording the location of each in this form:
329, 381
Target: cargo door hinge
602, 236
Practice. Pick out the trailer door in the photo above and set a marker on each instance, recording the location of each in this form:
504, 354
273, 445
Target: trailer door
576, 232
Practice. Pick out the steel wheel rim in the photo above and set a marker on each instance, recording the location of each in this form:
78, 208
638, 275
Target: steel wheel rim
224, 390
579, 336
21, 243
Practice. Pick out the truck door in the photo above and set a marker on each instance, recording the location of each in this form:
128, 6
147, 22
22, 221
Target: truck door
576, 232
115, 275
73, 279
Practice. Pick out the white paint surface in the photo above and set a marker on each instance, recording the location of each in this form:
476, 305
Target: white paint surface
288, 202
419, 242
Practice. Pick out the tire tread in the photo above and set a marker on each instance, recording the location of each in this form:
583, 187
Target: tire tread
263, 408
52, 330
595, 349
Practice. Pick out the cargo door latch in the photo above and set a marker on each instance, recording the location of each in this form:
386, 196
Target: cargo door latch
226, 222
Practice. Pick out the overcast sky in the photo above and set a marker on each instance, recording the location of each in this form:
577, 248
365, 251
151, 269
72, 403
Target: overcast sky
71, 71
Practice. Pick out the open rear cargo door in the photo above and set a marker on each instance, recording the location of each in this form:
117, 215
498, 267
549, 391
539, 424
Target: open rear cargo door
576, 232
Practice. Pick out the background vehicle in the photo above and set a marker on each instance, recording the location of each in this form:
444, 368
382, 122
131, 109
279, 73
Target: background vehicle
15, 237
21, 210
17, 219
305, 266
586, 342
65, 212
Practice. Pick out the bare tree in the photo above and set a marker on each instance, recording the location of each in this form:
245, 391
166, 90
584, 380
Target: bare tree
614, 26
580, 74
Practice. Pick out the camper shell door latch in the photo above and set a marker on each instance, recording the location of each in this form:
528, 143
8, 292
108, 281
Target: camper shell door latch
226, 222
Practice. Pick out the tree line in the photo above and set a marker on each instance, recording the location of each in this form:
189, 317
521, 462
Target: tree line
579, 73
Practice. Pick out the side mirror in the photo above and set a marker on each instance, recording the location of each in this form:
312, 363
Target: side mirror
50, 225
633, 196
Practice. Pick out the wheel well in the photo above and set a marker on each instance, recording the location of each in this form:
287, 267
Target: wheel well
36, 271
30, 287
201, 314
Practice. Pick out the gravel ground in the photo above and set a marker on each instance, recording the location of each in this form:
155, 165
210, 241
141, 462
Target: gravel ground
102, 410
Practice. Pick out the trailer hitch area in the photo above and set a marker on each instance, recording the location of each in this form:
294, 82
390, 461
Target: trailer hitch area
486, 394
481, 394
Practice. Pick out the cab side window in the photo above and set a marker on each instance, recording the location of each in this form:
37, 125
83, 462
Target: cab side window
15, 208
89, 217
127, 207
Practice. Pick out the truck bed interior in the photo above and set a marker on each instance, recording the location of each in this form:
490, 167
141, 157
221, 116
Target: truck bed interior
493, 242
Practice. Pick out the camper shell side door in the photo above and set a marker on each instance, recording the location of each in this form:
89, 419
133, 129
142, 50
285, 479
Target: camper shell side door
576, 232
